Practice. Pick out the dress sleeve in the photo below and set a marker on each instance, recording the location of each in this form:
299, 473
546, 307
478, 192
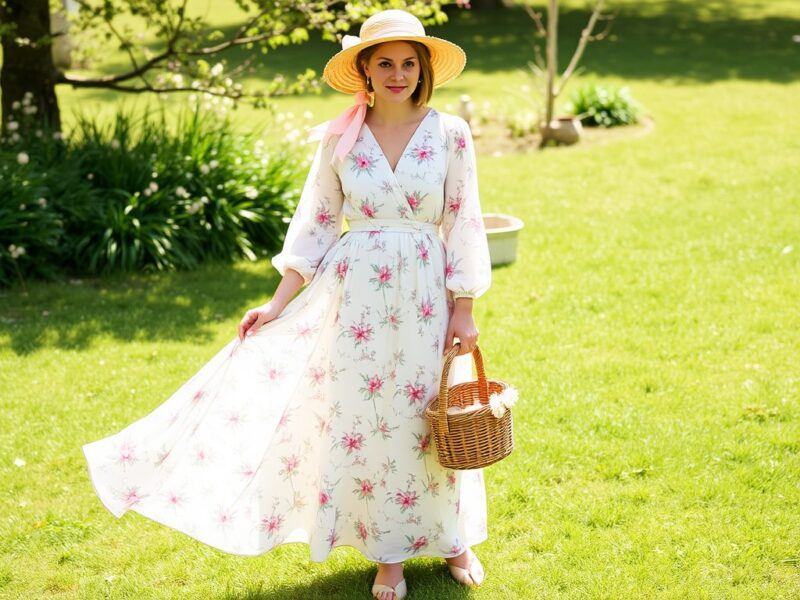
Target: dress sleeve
317, 221
468, 270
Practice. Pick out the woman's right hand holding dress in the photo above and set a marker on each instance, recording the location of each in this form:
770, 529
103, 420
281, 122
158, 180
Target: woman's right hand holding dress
261, 315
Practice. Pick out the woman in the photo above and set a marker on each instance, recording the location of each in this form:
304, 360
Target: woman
309, 426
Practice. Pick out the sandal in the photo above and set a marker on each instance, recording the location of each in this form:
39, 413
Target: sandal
469, 576
399, 590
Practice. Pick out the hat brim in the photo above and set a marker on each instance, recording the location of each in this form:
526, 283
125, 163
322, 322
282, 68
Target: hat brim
447, 62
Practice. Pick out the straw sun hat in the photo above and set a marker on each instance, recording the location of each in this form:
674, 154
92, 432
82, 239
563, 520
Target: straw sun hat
342, 73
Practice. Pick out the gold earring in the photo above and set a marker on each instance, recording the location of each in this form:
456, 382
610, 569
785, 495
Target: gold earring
370, 95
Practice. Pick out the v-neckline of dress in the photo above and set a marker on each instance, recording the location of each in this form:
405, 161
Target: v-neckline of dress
408, 143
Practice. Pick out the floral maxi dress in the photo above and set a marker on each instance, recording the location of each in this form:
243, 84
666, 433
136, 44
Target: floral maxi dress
312, 430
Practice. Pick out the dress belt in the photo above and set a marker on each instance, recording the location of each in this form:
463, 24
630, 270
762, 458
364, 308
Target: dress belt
393, 225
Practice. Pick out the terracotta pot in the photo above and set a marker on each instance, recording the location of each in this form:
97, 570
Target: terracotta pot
502, 232
566, 130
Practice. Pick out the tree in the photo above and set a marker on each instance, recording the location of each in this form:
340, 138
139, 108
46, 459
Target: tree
186, 45
545, 69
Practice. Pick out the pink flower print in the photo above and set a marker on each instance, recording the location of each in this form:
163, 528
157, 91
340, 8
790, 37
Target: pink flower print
283, 421
454, 204
271, 524
362, 163
290, 464
131, 497
425, 311
416, 544
234, 419
126, 454
324, 498
174, 499
423, 444
317, 375
413, 202
460, 145
361, 333
198, 395
432, 487
392, 319
332, 538
201, 456
368, 209
415, 393
324, 217
352, 442
274, 374
383, 275
422, 153
364, 488
361, 530
247, 471
372, 386
423, 254
406, 500
341, 269
451, 479
303, 329
323, 425
224, 518
449, 270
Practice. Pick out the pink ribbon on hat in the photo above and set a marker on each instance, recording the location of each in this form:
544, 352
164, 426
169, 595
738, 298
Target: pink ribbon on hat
348, 124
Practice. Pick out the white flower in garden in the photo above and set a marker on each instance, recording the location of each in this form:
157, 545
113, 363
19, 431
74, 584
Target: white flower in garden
153, 187
194, 207
204, 199
178, 80
280, 117
15, 105
28, 96
308, 115
15, 137
42, 202
12, 126
251, 192
216, 70
16, 251
213, 164
23, 158
23, 206
115, 144
38, 133
204, 169
30, 110
58, 135
147, 192
189, 175
90, 176
181, 192
19, 462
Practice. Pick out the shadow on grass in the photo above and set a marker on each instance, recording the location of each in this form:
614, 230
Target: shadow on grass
148, 307
671, 39
427, 579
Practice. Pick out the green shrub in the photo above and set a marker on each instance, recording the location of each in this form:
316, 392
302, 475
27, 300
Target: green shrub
603, 106
138, 194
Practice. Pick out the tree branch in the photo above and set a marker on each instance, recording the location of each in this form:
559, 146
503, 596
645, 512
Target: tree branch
586, 35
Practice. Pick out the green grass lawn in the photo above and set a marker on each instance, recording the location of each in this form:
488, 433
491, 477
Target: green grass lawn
650, 323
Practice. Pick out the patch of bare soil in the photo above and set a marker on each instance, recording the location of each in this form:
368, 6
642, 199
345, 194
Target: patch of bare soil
493, 137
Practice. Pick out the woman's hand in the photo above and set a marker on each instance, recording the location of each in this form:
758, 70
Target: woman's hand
256, 317
462, 326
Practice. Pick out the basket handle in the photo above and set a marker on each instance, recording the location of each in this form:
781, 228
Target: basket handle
483, 386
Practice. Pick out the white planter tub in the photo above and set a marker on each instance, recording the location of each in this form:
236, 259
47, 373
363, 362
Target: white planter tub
502, 231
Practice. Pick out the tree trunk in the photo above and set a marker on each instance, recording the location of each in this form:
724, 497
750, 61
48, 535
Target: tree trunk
29, 68
552, 68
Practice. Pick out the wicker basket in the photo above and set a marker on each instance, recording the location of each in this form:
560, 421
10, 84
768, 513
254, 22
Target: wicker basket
472, 439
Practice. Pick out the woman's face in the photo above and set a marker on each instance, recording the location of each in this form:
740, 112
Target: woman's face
394, 70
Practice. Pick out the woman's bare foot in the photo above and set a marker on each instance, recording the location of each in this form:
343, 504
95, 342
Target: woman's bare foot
389, 574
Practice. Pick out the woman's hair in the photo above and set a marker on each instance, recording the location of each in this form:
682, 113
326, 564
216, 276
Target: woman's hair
424, 90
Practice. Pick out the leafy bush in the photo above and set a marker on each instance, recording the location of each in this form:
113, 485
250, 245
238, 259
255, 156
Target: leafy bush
138, 194
604, 106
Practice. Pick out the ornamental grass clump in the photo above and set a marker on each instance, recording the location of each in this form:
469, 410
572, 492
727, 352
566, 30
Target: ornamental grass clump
140, 194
